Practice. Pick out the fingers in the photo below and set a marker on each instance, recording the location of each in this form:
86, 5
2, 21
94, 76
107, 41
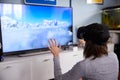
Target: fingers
53, 47
52, 42
59, 45
49, 47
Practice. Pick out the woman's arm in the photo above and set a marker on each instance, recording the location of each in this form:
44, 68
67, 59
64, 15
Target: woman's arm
74, 74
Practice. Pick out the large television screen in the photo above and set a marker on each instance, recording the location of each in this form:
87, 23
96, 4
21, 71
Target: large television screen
28, 27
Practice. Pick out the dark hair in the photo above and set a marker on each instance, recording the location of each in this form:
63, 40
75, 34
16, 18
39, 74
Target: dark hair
80, 32
94, 50
96, 37
97, 33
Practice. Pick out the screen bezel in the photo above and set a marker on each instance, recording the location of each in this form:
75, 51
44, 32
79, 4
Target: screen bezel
37, 49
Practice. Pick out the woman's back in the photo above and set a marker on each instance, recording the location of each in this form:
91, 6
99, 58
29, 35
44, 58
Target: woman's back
104, 68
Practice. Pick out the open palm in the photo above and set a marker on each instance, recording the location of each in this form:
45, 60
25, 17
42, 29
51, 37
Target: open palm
54, 48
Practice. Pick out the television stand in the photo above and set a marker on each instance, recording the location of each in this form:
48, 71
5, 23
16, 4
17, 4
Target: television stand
34, 53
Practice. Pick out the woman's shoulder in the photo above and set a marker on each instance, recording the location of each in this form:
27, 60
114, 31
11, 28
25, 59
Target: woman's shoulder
84, 62
112, 54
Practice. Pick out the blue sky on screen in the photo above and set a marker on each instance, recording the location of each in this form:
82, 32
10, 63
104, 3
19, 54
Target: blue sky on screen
36, 14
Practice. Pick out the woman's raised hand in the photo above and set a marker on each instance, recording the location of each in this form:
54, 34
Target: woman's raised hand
54, 48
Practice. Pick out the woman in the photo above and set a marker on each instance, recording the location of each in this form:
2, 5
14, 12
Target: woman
99, 64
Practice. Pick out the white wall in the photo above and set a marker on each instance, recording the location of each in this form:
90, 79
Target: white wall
83, 13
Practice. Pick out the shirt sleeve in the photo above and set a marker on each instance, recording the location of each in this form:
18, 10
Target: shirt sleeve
77, 71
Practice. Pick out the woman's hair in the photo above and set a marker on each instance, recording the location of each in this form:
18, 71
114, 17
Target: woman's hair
96, 37
95, 50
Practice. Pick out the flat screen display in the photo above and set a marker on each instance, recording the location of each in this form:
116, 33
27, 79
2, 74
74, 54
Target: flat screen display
28, 27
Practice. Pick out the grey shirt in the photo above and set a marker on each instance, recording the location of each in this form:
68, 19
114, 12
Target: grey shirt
103, 68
